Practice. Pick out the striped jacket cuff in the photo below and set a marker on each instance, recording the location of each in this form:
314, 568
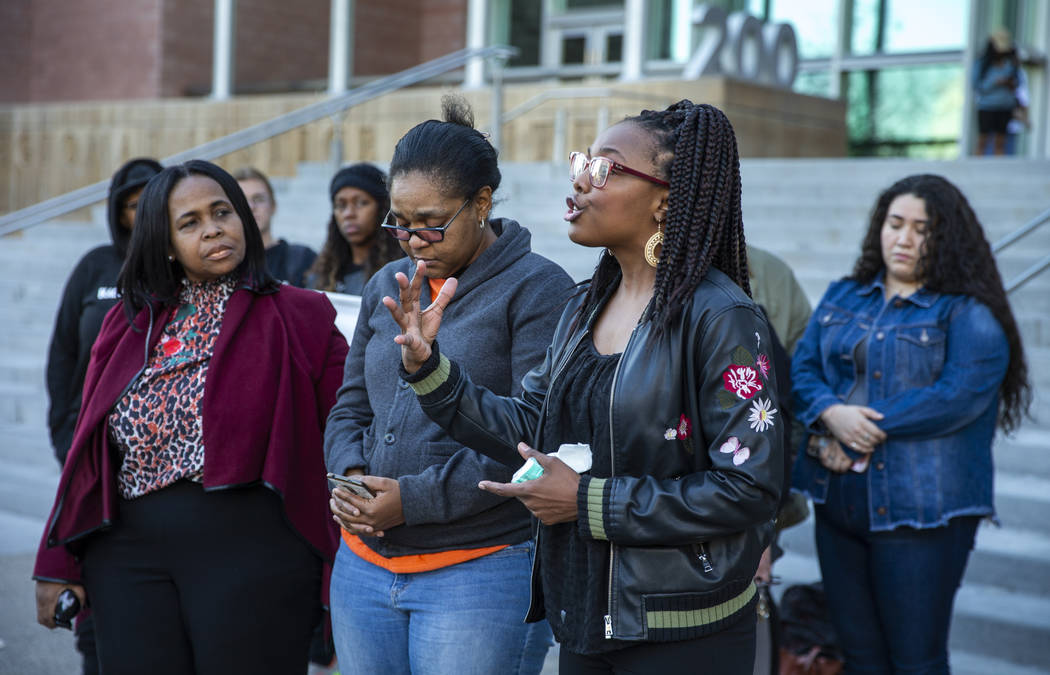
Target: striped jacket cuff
434, 378
590, 505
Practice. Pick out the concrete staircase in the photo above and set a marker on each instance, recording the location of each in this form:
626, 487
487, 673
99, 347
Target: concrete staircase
812, 213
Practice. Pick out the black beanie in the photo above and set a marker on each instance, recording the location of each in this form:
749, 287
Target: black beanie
362, 176
132, 175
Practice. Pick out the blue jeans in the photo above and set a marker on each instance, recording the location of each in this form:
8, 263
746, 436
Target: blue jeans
466, 618
889, 594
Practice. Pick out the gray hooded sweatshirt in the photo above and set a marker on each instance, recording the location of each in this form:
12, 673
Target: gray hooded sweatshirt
498, 326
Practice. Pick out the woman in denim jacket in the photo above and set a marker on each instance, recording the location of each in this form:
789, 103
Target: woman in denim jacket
906, 368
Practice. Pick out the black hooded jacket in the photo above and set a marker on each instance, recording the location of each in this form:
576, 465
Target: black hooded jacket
90, 292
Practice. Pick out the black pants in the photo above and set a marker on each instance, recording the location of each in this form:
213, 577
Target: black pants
200, 582
727, 652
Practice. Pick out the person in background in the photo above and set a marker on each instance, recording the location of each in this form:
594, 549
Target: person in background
354, 248
995, 80
192, 511
458, 558
90, 292
776, 290
286, 262
661, 367
904, 372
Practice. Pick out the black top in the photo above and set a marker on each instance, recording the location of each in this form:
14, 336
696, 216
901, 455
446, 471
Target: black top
89, 294
289, 262
574, 569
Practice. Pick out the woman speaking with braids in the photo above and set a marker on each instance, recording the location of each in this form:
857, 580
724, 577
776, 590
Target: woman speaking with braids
659, 376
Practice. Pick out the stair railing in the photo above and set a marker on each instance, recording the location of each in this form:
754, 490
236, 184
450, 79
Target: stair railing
1036, 268
238, 140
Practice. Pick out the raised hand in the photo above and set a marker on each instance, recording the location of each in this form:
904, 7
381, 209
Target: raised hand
418, 326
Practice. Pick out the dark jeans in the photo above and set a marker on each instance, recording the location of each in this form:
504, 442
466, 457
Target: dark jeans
728, 652
890, 594
199, 582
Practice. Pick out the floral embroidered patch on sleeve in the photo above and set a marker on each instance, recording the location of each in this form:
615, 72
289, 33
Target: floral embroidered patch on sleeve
744, 377
761, 415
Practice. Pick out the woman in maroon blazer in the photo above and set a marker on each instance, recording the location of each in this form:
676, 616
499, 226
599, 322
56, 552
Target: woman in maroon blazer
192, 512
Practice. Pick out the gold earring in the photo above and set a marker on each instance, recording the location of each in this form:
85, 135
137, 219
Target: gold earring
650, 246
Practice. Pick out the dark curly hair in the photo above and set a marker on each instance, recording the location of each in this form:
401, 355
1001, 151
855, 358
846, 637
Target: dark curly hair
955, 258
695, 150
147, 275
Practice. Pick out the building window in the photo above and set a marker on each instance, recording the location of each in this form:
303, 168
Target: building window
573, 49
886, 117
895, 26
614, 47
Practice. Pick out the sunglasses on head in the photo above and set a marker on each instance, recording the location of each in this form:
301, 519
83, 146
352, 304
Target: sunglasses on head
599, 168
431, 235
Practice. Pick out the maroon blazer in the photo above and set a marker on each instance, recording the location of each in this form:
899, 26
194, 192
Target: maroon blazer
273, 376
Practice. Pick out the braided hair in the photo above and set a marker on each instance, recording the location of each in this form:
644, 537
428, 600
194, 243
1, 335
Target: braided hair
695, 150
956, 258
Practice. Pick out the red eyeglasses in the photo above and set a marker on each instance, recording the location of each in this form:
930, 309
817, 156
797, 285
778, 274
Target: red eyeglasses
599, 168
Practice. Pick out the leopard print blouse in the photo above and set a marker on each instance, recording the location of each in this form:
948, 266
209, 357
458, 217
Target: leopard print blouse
156, 425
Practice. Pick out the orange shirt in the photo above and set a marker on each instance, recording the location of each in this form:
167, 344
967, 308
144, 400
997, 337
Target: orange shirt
423, 562
435, 288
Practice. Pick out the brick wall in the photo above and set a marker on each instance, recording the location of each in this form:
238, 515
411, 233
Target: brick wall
444, 28
92, 49
57, 50
281, 42
15, 22
387, 36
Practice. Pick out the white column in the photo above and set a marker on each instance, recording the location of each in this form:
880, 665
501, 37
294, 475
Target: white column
633, 40
476, 18
681, 30
340, 46
223, 43
975, 35
1039, 88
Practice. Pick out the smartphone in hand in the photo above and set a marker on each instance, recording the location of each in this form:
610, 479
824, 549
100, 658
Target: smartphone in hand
353, 484
66, 608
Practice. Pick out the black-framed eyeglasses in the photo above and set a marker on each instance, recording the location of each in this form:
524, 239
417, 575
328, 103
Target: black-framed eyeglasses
599, 168
431, 235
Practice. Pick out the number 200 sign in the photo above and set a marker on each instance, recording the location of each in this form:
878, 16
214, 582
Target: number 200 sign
740, 45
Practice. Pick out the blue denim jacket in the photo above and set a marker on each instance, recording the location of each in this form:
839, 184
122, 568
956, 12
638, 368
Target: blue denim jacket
934, 366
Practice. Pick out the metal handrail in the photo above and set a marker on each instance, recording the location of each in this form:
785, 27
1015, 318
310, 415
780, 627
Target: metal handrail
1028, 274
79, 198
1026, 229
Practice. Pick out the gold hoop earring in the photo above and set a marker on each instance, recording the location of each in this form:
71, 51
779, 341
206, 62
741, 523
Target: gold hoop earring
650, 248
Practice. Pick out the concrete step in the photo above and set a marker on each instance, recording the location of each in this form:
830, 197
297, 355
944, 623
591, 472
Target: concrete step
989, 622
22, 404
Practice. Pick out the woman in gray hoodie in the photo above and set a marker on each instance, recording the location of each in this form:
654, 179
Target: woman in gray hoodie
433, 574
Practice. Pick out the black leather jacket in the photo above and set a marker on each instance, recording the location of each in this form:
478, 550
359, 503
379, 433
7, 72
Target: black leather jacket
687, 515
